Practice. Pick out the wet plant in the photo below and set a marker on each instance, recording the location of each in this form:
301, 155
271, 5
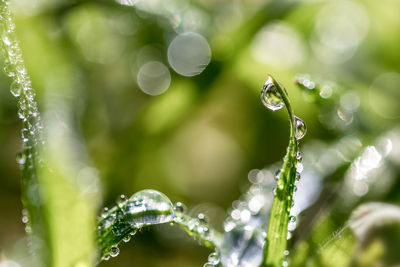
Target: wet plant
261, 227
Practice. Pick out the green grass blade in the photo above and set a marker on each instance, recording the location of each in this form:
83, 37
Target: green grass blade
31, 133
146, 208
276, 241
59, 205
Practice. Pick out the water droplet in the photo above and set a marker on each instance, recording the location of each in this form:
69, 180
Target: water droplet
292, 219
208, 264
9, 71
114, 251
21, 114
15, 89
25, 219
270, 97
298, 177
301, 128
213, 258
286, 252
106, 257
299, 167
299, 157
104, 213
28, 229
121, 201
179, 208
127, 238
202, 218
21, 158
229, 224
133, 232
148, 207
289, 235
278, 174
295, 187
274, 191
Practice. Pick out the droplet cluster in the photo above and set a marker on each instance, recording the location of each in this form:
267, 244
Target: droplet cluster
213, 260
21, 89
146, 207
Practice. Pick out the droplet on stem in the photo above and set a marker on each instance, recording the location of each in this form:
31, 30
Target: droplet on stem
15, 89
301, 129
179, 208
278, 174
21, 158
213, 258
114, 251
270, 97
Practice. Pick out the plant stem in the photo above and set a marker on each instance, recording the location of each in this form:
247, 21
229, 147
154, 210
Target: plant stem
276, 241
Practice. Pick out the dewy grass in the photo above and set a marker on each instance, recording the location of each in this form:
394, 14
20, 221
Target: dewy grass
31, 133
58, 212
274, 95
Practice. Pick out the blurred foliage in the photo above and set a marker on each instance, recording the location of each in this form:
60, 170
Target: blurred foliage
197, 141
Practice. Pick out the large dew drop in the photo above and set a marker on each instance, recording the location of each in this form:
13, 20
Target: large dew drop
301, 128
148, 207
270, 97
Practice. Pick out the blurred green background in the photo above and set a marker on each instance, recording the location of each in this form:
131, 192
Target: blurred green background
165, 94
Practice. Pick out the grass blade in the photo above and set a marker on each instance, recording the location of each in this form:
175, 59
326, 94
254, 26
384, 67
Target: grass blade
276, 241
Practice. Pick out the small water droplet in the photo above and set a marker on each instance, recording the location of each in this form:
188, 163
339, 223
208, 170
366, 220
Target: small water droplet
301, 128
299, 157
278, 174
292, 219
104, 213
127, 238
208, 264
21, 158
229, 224
179, 208
295, 187
298, 177
202, 218
114, 251
286, 252
274, 191
299, 167
289, 235
133, 232
270, 97
213, 258
25, 219
106, 257
15, 89
121, 201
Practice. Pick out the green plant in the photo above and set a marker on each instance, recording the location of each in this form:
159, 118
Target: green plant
245, 241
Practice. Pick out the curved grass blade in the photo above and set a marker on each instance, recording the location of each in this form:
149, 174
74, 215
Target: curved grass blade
276, 241
146, 208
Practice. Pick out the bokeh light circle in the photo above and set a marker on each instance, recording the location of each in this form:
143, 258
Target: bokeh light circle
189, 54
153, 78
